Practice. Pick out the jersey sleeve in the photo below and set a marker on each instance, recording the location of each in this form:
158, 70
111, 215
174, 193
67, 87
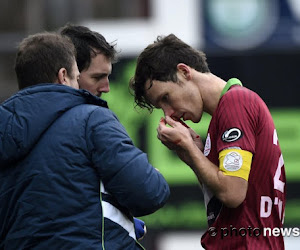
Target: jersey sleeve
237, 120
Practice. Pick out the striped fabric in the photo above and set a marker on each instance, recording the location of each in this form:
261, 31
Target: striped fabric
114, 214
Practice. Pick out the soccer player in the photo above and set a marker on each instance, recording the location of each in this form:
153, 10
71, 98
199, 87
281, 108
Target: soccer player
241, 168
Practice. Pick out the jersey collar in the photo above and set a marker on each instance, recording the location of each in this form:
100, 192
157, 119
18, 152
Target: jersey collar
231, 82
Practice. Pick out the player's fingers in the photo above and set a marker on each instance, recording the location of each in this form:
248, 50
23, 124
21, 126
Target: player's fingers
170, 121
162, 121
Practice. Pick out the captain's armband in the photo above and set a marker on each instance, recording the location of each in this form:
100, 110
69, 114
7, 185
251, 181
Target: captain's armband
235, 162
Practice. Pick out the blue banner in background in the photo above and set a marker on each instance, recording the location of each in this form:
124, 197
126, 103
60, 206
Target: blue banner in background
239, 25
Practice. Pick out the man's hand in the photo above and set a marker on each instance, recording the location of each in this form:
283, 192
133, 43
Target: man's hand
186, 143
170, 137
197, 139
175, 136
178, 137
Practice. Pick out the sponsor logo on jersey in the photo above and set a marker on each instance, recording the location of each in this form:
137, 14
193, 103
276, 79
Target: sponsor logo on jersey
232, 135
233, 161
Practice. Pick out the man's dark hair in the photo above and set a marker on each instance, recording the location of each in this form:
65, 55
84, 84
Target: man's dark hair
88, 44
159, 62
40, 57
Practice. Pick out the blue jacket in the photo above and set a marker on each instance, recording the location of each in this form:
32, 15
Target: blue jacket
70, 176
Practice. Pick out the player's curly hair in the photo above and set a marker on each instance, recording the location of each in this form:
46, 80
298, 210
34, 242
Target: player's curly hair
159, 62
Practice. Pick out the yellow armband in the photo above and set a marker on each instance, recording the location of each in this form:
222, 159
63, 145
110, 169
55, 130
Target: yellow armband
235, 162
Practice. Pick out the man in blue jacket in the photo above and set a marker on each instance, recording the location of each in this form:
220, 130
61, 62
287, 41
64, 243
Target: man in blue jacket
66, 163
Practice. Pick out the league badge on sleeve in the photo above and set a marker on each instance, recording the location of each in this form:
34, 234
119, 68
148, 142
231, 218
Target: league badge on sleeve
232, 135
207, 145
233, 161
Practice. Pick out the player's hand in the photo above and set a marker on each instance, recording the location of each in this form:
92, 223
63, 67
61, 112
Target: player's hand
197, 139
178, 137
173, 141
175, 136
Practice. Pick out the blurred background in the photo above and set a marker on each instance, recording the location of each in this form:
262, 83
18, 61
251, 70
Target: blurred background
257, 41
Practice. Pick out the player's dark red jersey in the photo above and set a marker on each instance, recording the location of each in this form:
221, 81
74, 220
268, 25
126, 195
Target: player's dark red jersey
242, 120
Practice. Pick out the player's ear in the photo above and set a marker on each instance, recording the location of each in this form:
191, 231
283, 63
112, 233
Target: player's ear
62, 76
184, 70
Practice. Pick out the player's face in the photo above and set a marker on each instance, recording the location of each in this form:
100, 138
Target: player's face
177, 100
95, 77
